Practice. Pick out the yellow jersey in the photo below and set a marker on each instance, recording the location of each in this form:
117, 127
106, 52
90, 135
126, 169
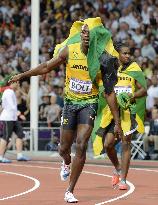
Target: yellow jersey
78, 85
125, 83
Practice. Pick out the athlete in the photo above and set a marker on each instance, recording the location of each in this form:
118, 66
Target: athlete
81, 98
130, 87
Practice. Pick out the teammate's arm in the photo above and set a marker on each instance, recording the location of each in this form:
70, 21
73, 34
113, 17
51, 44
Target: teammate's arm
43, 68
140, 92
109, 66
112, 102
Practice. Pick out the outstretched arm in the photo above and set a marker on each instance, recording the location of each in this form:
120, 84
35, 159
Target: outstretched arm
43, 68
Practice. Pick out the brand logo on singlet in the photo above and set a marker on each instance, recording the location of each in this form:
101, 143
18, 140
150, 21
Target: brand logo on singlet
80, 86
81, 67
75, 55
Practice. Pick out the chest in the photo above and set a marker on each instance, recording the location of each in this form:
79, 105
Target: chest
125, 83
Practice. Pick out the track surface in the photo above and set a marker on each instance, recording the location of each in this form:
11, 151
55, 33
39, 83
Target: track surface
38, 183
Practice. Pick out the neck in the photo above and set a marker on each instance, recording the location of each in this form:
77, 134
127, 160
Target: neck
120, 63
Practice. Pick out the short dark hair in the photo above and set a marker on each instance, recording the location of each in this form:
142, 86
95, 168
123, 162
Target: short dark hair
118, 45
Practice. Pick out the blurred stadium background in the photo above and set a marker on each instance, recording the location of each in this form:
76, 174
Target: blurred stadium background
132, 21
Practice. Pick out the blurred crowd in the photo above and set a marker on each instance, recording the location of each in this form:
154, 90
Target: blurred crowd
132, 21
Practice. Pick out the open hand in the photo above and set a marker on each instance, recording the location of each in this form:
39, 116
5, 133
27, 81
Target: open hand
15, 78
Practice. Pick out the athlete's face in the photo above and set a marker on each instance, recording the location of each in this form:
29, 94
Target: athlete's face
124, 55
85, 35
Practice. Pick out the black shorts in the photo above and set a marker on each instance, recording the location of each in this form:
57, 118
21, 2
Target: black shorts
74, 115
109, 129
8, 127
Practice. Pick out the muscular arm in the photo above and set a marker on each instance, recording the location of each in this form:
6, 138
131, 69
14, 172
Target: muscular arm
112, 102
109, 66
44, 68
140, 92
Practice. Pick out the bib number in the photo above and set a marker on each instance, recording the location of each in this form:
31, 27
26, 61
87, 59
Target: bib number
121, 89
80, 86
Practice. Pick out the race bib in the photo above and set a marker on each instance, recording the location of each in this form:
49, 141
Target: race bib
80, 86
121, 89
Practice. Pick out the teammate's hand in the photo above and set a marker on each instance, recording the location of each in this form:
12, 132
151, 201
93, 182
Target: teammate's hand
118, 130
15, 78
132, 99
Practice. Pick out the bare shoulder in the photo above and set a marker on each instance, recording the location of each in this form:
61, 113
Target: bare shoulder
63, 52
60, 58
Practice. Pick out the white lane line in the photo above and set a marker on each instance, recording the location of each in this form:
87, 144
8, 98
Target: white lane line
89, 165
130, 191
131, 186
137, 169
36, 185
147, 170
